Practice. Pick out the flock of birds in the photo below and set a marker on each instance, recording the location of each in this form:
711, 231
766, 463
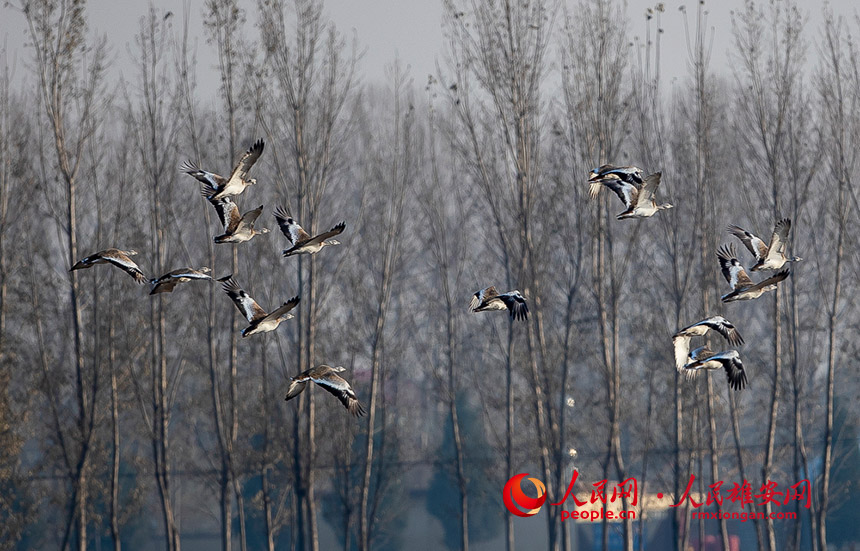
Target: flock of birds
636, 191
639, 196
239, 228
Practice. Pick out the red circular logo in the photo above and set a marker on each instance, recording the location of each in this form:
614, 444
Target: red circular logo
515, 498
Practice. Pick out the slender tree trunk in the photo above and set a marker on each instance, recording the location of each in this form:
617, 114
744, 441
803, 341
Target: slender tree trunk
364, 521
509, 429
827, 453
311, 342
459, 456
115, 451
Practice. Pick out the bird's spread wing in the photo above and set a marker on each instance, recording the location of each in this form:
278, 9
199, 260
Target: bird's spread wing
725, 328
203, 176
247, 305
755, 245
283, 308
289, 227
681, 344
630, 174
340, 388
250, 217
779, 238
121, 260
516, 303
337, 230
296, 388
191, 273
247, 161
626, 192
227, 210
479, 297
162, 285
734, 367
649, 188
733, 271
772, 280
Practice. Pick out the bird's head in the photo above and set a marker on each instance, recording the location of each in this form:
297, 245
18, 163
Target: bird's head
338, 368
205, 269
332, 242
665, 206
132, 252
252, 181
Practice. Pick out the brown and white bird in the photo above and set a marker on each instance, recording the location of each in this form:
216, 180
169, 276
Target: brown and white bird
743, 287
490, 299
681, 339
118, 258
260, 321
168, 281
301, 241
327, 378
768, 257
630, 174
729, 360
640, 201
237, 229
238, 180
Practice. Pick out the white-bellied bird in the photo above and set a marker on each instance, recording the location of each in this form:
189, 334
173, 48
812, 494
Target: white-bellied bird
681, 339
238, 180
301, 241
743, 287
327, 378
237, 229
630, 174
729, 360
490, 299
768, 257
118, 258
259, 320
640, 201
168, 281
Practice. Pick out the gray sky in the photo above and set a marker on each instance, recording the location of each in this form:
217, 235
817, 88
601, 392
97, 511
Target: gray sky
410, 29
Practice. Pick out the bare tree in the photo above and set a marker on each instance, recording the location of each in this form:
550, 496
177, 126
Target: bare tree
447, 249
766, 103
840, 75
225, 21
72, 101
154, 130
315, 79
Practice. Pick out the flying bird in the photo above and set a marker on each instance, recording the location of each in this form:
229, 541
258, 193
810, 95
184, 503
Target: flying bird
118, 258
301, 241
729, 360
681, 339
630, 174
768, 257
640, 201
327, 377
490, 299
259, 320
168, 281
238, 180
743, 287
237, 229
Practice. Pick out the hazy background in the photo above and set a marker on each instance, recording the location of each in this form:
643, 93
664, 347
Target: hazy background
410, 29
